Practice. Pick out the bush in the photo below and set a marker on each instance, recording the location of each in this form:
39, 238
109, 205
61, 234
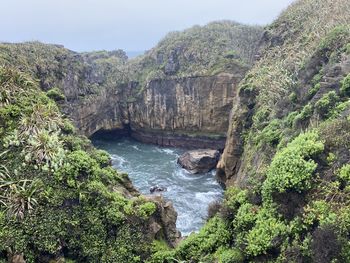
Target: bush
102, 157
212, 236
344, 173
244, 221
314, 90
265, 232
227, 255
77, 165
345, 88
234, 198
55, 94
305, 113
67, 127
319, 213
292, 167
324, 105
271, 134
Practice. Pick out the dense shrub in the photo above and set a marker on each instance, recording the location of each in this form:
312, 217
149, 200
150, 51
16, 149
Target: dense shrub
293, 167
304, 114
230, 255
55, 94
267, 229
271, 134
324, 105
59, 195
345, 87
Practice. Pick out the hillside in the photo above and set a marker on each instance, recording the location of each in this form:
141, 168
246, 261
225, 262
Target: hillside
56, 66
60, 198
286, 163
201, 50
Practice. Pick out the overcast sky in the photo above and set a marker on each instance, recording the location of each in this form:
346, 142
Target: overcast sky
132, 25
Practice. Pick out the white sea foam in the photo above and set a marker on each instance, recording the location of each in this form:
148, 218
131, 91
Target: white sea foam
117, 160
136, 148
149, 165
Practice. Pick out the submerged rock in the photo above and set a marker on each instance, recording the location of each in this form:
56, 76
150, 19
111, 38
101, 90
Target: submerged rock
157, 188
199, 161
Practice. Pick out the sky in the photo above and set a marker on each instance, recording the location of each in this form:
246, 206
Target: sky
132, 25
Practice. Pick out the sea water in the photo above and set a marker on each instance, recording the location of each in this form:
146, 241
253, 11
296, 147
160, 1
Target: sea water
151, 165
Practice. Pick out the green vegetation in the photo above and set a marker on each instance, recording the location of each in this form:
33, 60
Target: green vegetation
345, 88
58, 67
55, 94
60, 198
201, 50
291, 201
57, 192
292, 168
326, 103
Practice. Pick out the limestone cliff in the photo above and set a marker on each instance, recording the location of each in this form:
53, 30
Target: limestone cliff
187, 104
192, 107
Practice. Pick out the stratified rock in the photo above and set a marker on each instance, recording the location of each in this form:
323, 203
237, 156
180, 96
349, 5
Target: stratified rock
199, 161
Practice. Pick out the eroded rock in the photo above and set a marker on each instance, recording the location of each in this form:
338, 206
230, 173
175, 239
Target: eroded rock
199, 161
157, 188
163, 221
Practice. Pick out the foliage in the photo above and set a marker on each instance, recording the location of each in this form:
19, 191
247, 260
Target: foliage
267, 228
55, 94
345, 88
187, 53
230, 256
212, 236
324, 105
304, 114
344, 173
58, 193
292, 167
271, 134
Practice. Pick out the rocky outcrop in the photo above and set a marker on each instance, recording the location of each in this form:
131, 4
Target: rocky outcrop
163, 222
188, 105
240, 119
101, 95
98, 112
189, 112
199, 161
188, 141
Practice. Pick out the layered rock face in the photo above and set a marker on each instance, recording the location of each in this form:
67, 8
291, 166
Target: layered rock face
194, 107
99, 112
188, 112
178, 94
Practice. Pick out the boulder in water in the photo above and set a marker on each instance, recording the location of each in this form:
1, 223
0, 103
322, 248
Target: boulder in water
199, 161
157, 188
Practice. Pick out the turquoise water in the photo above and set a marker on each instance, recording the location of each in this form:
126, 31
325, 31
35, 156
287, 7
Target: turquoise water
150, 165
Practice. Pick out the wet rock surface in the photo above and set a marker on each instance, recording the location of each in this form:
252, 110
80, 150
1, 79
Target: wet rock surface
157, 189
199, 161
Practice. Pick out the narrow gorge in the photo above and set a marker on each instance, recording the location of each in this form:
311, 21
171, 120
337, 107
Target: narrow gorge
91, 144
